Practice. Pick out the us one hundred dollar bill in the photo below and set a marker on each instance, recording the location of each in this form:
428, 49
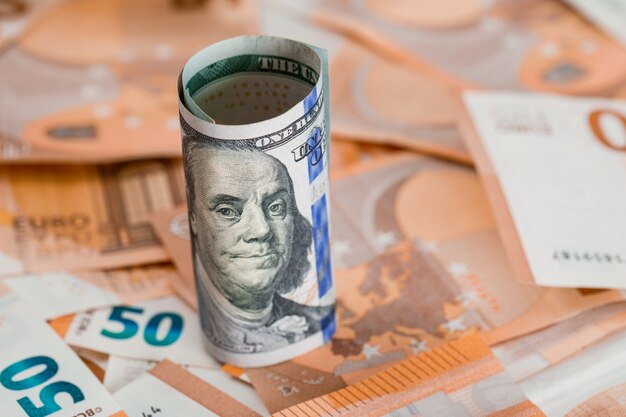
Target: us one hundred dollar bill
254, 120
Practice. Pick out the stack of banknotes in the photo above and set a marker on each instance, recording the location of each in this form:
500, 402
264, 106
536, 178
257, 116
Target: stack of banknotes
476, 197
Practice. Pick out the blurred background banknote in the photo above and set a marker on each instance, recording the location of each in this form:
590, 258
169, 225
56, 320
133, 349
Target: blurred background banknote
79, 98
537, 45
84, 216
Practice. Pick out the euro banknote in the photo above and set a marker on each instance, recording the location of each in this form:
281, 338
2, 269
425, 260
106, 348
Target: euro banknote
56, 294
40, 375
461, 379
170, 391
530, 354
553, 168
398, 231
588, 384
77, 92
122, 371
77, 217
159, 329
538, 45
609, 403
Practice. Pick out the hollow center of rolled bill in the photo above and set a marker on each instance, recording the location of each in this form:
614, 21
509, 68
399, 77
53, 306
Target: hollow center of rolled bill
243, 84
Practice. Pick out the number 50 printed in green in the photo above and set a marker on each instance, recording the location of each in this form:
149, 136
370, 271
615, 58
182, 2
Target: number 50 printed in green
126, 316
21, 376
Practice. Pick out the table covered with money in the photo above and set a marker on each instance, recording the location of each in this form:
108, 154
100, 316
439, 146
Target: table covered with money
313, 208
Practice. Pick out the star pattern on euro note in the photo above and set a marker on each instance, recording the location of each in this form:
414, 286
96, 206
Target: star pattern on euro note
287, 390
383, 240
418, 346
371, 350
468, 298
455, 325
458, 269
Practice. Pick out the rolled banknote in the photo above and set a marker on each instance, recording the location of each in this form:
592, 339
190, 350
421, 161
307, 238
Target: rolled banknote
254, 120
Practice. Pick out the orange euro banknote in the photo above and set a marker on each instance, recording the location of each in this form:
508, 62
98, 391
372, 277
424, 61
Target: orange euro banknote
539, 45
418, 261
529, 354
95, 80
73, 217
461, 378
608, 403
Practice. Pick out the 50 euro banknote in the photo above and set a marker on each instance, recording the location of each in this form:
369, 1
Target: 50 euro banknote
554, 171
40, 375
154, 330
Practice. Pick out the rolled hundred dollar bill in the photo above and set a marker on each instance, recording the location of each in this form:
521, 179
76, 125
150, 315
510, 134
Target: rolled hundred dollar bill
254, 121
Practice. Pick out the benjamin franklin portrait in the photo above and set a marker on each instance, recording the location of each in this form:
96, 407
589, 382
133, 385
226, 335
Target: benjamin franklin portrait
251, 244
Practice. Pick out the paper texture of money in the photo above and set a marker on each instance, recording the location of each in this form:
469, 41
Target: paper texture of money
123, 371
537, 45
56, 294
587, 384
609, 15
554, 171
97, 362
254, 118
171, 391
527, 355
460, 379
36, 367
172, 228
